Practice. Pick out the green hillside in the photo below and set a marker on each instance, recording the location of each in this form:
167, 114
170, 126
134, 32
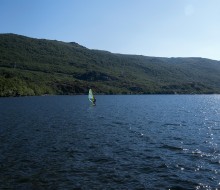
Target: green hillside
31, 66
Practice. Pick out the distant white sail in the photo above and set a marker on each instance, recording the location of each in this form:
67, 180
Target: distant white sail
91, 97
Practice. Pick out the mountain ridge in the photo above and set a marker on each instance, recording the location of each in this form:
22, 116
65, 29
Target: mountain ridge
31, 66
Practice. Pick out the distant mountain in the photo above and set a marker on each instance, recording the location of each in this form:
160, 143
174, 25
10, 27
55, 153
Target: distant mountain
31, 66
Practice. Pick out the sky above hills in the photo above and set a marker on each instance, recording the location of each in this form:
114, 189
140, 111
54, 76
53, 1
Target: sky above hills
163, 28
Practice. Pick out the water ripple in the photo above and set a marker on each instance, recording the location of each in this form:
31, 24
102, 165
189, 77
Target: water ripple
125, 142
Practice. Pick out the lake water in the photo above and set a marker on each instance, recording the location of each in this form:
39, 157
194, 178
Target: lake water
125, 142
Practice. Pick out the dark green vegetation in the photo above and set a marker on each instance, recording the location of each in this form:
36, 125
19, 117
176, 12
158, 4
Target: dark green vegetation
37, 66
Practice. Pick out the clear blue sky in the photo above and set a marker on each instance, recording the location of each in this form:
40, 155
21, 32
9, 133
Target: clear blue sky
165, 28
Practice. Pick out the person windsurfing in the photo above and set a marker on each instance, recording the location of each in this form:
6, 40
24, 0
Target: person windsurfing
92, 97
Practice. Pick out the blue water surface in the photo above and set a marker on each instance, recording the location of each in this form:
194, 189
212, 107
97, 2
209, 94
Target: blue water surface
124, 142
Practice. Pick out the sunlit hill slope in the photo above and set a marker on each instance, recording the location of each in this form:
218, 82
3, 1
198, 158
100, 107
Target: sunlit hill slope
31, 66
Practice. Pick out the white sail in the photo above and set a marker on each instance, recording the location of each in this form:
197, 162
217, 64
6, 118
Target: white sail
91, 96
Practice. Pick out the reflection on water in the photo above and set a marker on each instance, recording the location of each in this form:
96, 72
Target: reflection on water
125, 142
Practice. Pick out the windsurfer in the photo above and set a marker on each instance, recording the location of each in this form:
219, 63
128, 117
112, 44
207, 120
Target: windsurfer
94, 101
91, 97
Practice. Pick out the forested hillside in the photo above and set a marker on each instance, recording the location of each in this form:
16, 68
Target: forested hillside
31, 66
